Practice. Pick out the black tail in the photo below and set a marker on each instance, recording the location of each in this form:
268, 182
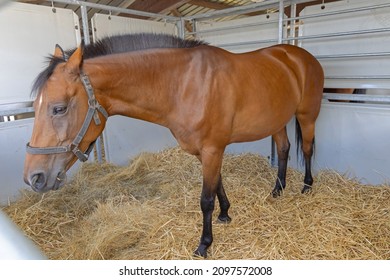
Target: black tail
298, 141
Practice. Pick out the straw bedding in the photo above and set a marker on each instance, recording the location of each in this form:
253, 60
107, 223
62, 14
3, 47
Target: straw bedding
150, 210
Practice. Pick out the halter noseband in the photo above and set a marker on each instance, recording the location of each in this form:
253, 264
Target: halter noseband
93, 108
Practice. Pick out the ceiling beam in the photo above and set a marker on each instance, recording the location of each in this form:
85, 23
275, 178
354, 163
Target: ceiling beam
32, 1
301, 6
156, 6
210, 5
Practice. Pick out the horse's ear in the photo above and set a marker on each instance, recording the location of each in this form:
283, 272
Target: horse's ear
75, 61
59, 52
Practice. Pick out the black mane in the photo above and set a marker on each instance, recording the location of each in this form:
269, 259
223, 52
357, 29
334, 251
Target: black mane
114, 45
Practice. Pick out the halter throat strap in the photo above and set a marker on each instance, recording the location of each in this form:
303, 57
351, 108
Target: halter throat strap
92, 114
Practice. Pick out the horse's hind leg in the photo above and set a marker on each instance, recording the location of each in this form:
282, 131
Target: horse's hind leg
306, 128
283, 148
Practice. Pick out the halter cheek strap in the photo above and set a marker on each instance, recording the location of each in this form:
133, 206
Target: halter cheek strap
93, 108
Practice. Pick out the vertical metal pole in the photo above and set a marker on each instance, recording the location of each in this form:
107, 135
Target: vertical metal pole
292, 23
84, 22
87, 41
193, 23
280, 40
281, 15
181, 28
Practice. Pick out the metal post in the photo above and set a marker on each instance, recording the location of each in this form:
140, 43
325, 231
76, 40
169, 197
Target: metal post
292, 23
84, 22
280, 40
181, 28
281, 15
87, 41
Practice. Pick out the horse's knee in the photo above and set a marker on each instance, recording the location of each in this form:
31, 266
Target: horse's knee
207, 203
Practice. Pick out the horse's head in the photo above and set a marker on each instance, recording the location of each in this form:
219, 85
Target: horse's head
68, 119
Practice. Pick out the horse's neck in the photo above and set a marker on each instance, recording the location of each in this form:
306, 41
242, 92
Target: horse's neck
133, 86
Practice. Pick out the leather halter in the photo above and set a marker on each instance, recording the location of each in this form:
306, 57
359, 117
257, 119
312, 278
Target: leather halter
93, 108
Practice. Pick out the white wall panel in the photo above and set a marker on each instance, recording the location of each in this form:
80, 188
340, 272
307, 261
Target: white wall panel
261, 147
373, 19
354, 139
244, 35
125, 138
13, 139
351, 139
28, 34
104, 25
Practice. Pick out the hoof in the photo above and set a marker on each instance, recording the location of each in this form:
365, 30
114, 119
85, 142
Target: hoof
224, 220
200, 252
306, 189
276, 192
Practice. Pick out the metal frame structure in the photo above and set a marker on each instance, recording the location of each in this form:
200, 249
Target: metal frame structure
282, 38
279, 4
19, 250
275, 4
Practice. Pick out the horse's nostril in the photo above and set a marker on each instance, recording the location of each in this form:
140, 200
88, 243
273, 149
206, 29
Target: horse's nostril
37, 181
34, 179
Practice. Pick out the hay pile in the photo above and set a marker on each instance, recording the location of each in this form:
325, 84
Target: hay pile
150, 210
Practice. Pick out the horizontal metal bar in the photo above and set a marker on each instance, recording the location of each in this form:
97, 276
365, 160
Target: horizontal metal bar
377, 77
353, 55
247, 43
235, 10
339, 34
233, 27
357, 97
16, 111
351, 10
115, 9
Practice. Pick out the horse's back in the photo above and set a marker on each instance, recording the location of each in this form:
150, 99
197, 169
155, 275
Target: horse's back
298, 61
268, 87
299, 72
309, 74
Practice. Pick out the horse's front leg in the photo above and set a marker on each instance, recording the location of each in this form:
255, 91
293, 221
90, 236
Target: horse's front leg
211, 159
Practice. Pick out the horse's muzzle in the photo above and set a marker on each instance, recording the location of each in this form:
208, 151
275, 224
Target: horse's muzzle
41, 182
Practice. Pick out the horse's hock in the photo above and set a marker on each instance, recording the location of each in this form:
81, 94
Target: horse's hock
136, 198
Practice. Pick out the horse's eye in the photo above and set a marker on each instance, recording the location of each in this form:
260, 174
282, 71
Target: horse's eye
59, 110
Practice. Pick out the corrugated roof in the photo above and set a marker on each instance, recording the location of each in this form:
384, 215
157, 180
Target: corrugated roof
184, 8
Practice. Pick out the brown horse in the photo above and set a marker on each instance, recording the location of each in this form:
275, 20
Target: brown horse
206, 96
